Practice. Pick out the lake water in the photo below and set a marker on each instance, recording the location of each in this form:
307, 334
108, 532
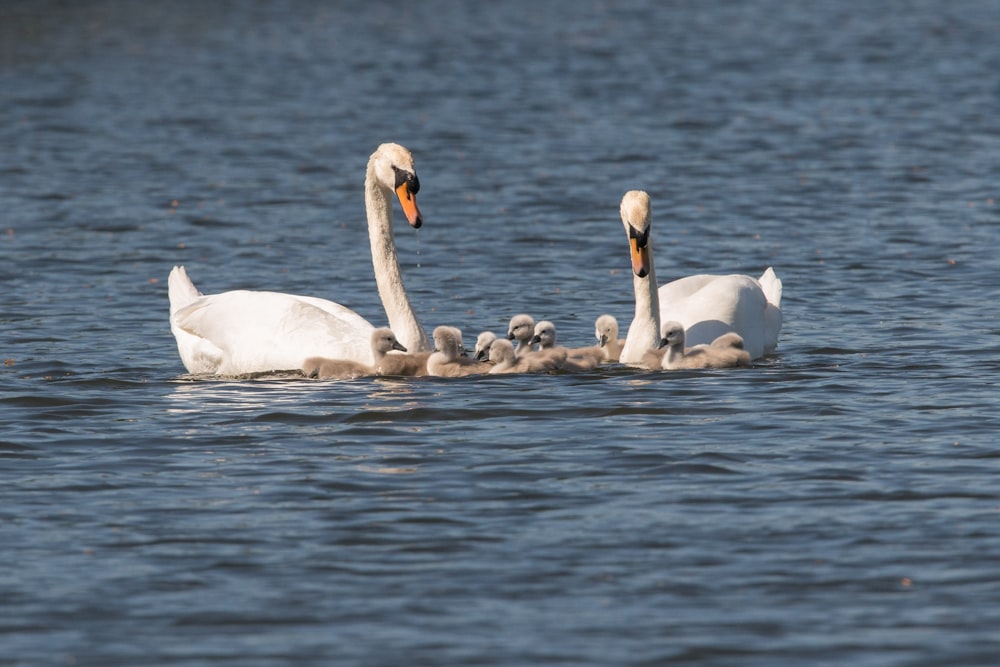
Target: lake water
837, 503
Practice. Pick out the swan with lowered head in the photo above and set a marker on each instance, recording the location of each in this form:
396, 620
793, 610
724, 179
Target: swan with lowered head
708, 306
576, 359
447, 359
243, 331
383, 341
678, 357
505, 361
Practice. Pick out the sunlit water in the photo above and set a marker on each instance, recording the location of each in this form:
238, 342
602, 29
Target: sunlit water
835, 504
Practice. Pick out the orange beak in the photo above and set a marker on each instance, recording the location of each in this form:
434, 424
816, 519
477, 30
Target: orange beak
640, 257
408, 201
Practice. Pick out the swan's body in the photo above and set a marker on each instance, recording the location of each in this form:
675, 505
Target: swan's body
678, 357
708, 306
242, 331
505, 361
521, 329
606, 331
447, 360
575, 359
383, 341
484, 342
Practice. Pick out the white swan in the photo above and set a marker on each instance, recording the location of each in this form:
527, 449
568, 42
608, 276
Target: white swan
676, 357
708, 305
606, 332
383, 341
521, 329
505, 361
573, 359
447, 360
644, 331
244, 332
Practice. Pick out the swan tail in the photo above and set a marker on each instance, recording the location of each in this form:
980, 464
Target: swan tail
771, 284
180, 289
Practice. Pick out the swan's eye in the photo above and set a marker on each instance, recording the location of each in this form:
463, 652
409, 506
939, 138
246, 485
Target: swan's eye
408, 177
641, 238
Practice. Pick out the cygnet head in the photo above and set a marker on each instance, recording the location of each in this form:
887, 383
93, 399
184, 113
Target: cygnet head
383, 340
606, 329
392, 167
483, 344
502, 351
522, 328
637, 218
545, 334
673, 334
446, 341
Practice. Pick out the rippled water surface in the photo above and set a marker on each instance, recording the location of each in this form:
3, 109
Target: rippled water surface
837, 503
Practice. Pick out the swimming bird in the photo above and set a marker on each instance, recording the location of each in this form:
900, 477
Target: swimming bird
505, 361
383, 341
606, 331
483, 343
644, 331
521, 329
447, 359
243, 331
707, 305
574, 359
700, 356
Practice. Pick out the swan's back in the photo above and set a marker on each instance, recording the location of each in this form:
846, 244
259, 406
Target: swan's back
254, 330
710, 306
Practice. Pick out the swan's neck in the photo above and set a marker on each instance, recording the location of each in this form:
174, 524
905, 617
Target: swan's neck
674, 355
402, 320
644, 332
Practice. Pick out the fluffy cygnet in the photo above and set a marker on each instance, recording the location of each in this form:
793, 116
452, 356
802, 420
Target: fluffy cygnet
521, 329
483, 343
382, 341
606, 331
702, 356
447, 359
581, 359
505, 361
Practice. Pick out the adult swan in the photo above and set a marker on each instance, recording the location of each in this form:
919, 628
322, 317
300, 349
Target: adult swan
708, 306
242, 331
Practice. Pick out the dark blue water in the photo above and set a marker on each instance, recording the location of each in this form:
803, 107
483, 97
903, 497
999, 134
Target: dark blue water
835, 504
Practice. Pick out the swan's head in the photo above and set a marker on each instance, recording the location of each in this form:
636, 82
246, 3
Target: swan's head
393, 169
673, 335
502, 351
606, 329
522, 328
545, 334
483, 344
384, 340
636, 217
